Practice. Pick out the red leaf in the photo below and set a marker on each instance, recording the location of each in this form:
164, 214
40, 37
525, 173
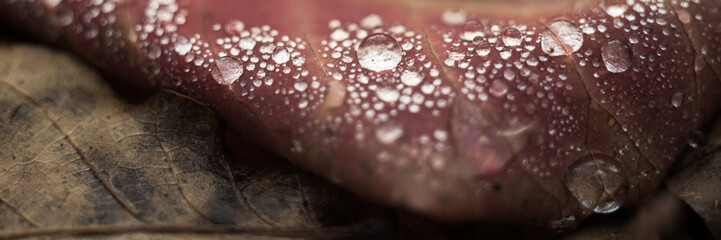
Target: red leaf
527, 114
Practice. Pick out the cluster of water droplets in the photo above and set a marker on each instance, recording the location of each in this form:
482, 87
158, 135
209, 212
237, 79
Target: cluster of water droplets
511, 68
385, 72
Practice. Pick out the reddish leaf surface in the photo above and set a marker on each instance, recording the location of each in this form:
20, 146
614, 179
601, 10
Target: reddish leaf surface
491, 111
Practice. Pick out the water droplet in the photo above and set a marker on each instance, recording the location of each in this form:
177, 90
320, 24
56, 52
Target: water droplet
371, 21
677, 99
64, 16
182, 45
498, 88
300, 86
234, 27
227, 70
246, 43
696, 139
616, 56
389, 132
614, 8
379, 52
154, 52
512, 37
597, 184
454, 17
339, 35
561, 38
281, 55
411, 78
606, 207
387, 94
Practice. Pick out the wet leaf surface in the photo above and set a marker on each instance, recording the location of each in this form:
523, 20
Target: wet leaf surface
77, 159
487, 111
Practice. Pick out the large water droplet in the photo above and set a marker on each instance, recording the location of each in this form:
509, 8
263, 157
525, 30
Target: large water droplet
597, 184
561, 38
616, 56
227, 70
281, 55
512, 37
379, 52
388, 94
677, 99
411, 78
389, 132
182, 45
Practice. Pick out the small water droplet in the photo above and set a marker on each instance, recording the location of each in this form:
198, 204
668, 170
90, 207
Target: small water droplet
597, 184
339, 35
300, 86
411, 78
234, 27
227, 70
246, 43
616, 56
389, 132
64, 16
154, 51
677, 99
561, 38
696, 139
454, 17
387, 94
498, 88
683, 16
606, 207
512, 37
371, 21
614, 8
281, 55
379, 52
182, 45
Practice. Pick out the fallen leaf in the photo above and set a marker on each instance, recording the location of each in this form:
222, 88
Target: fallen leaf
698, 181
76, 159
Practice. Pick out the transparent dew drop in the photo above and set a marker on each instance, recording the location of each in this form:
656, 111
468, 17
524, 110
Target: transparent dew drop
389, 132
64, 16
227, 70
696, 139
182, 45
561, 38
371, 21
606, 207
281, 55
597, 184
512, 37
154, 51
453, 17
614, 8
411, 78
683, 16
234, 27
677, 99
246, 43
387, 94
379, 52
616, 56
498, 88
339, 35
300, 86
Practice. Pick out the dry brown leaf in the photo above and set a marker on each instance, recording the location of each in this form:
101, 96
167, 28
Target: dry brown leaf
698, 182
76, 159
